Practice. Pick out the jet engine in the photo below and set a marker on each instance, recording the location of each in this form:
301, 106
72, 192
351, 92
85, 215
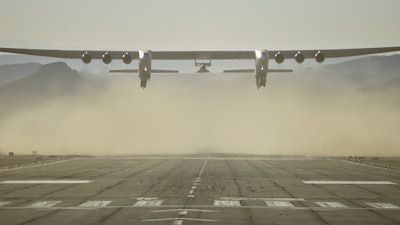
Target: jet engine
279, 58
126, 58
106, 58
86, 58
299, 57
319, 57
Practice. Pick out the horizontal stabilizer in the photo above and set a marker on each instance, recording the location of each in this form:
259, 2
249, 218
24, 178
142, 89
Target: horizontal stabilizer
124, 71
279, 71
136, 71
164, 71
240, 71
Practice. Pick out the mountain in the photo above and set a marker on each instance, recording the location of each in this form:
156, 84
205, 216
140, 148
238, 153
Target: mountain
22, 59
48, 82
9, 73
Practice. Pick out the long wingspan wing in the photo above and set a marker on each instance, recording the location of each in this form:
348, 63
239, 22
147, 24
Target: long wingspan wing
69, 54
181, 55
333, 53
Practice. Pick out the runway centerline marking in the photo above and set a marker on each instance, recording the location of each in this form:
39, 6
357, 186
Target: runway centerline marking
46, 181
279, 204
331, 205
345, 182
197, 180
383, 205
43, 204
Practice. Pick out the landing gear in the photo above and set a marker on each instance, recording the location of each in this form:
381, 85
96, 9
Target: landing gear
143, 83
261, 80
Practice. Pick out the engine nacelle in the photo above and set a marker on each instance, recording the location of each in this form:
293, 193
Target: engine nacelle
86, 58
319, 57
106, 58
279, 58
299, 57
126, 58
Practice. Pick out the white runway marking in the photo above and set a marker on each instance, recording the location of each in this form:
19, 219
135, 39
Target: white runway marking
177, 222
331, 204
44, 204
4, 203
37, 165
345, 182
183, 212
146, 198
383, 205
189, 219
262, 199
197, 180
227, 203
148, 203
95, 204
279, 204
46, 181
189, 210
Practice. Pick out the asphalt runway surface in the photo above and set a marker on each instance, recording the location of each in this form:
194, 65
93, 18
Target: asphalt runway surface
200, 190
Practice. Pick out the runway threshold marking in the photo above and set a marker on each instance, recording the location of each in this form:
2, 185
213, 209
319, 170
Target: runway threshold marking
345, 182
227, 203
148, 203
383, 205
43, 204
331, 205
95, 204
46, 182
279, 204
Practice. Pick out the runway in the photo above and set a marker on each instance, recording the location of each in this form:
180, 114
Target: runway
212, 189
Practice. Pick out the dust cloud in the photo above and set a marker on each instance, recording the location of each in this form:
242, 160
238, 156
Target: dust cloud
206, 114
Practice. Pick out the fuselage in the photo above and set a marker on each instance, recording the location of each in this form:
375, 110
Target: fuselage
261, 60
144, 67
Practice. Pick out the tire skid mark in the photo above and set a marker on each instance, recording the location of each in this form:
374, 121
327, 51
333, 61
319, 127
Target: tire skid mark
105, 218
234, 178
155, 186
146, 168
39, 217
293, 196
126, 180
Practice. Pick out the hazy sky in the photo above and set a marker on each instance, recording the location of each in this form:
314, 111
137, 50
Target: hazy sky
199, 25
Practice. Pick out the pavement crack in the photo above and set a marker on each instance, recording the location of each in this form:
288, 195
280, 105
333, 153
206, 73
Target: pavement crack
234, 178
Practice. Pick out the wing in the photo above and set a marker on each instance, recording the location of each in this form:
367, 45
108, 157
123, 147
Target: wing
69, 54
182, 55
333, 53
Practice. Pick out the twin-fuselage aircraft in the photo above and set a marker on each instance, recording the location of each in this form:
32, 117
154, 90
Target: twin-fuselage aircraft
145, 58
